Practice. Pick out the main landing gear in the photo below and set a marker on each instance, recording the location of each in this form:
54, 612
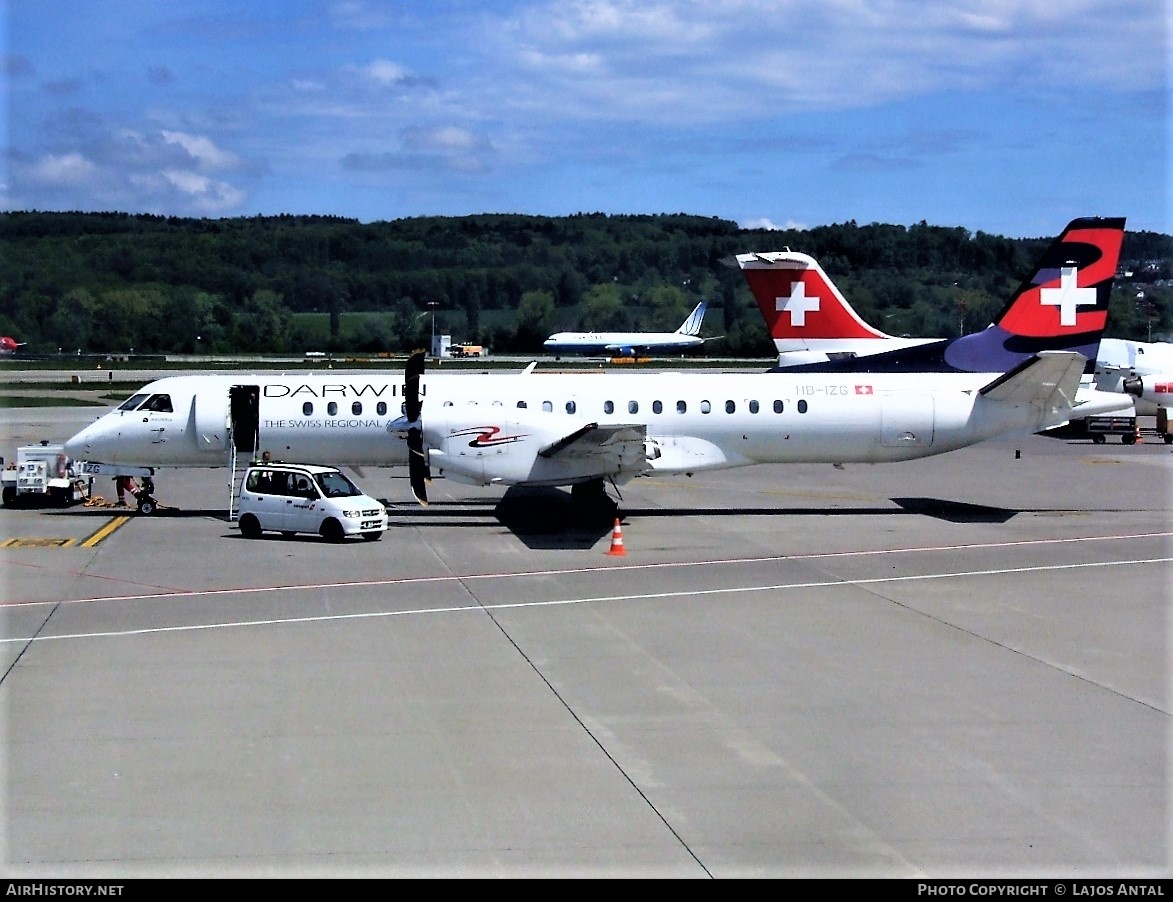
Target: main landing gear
591, 502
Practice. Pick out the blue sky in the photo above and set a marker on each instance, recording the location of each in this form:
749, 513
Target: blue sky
1006, 116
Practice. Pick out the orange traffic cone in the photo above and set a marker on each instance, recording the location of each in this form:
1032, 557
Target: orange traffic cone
617, 548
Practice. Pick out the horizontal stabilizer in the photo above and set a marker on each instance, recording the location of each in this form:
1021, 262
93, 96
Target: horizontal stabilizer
1049, 381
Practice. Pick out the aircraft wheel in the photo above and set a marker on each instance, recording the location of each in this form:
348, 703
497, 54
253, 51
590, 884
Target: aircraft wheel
373, 536
147, 506
332, 531
250, 527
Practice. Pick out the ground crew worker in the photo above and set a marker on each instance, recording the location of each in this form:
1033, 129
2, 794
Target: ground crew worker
125, 484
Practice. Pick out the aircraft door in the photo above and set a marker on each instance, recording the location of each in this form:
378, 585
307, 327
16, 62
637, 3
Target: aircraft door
244, 408
210, 423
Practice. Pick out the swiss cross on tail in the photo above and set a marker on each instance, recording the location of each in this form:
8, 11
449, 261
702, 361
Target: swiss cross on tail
1069, 290
798, 300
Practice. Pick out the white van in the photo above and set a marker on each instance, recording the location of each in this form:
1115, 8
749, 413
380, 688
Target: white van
293, 498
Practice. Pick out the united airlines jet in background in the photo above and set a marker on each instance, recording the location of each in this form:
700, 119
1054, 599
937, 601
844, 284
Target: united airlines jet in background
631, 344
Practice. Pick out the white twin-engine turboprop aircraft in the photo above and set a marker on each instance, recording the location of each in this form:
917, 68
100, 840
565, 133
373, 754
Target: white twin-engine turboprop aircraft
582, 430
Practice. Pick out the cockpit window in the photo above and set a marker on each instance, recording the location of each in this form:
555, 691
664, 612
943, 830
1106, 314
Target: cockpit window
133, 402
159, 404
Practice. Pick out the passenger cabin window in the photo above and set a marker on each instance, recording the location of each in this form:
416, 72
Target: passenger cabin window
730, 407
753, 406
307, 409
548, 406
356, 408
381, 408
571, 407
777, 407
522, 404
633, 406
802, 406
657, 407
332, 408
608, 407
706, 407
681, 407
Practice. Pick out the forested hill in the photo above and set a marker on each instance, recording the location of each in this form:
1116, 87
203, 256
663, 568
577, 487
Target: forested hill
112, 282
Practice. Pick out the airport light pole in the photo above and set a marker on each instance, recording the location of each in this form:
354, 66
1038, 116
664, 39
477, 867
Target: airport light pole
433, 305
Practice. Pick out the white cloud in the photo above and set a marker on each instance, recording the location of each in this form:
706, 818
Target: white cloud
63, 170
207, 195
768, 224
202, 150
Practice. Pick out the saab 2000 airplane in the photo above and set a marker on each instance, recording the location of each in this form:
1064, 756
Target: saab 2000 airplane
584, 430
631, 344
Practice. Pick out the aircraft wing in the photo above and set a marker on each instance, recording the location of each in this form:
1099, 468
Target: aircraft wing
620, 446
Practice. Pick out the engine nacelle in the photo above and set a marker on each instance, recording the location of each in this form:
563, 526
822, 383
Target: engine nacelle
1156, 388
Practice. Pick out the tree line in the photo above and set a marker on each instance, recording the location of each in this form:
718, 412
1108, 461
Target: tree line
112, 282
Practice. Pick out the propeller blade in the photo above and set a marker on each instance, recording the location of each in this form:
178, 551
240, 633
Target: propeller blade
412, 376
419, 474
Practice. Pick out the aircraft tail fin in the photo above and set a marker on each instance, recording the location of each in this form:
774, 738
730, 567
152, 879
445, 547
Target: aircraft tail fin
692, 325
798, 300
1061, 306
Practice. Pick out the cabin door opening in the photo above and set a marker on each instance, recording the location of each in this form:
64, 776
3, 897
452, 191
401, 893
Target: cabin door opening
244, 404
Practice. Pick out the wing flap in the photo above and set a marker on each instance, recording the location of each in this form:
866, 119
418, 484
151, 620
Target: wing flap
618, 448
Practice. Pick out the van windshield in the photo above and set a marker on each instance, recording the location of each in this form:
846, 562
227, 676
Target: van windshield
335, 485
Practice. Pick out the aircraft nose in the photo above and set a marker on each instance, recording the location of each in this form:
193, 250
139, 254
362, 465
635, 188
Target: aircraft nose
83, 445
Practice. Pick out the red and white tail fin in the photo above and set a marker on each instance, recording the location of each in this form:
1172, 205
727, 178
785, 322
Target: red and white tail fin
798, 301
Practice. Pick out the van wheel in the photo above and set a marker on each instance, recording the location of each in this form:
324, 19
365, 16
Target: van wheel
250, 527
372, 536
332, 531
1098, 439
10, 496
1128, 439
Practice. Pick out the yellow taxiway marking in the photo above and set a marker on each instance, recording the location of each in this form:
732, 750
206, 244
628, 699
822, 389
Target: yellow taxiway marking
36, 543
105, 531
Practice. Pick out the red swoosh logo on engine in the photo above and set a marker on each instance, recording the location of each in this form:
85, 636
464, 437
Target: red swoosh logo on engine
487, 436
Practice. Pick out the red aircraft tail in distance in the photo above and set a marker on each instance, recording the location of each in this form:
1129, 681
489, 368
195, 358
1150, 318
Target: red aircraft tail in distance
808, 318
8, 344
